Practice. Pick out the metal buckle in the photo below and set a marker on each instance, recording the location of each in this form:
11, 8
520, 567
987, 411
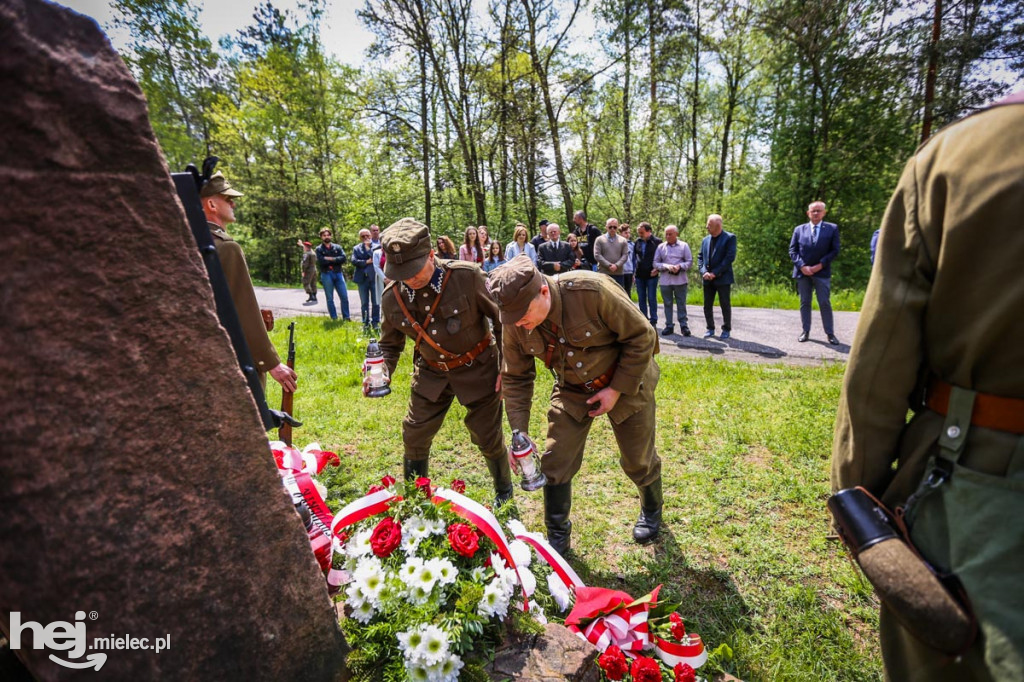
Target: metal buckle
443, 365
589, 385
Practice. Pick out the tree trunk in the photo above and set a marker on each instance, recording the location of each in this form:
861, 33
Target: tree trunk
424, 139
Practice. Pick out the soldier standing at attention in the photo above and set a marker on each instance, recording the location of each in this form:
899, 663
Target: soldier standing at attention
942, 309
443, 306
219, 206
601, 351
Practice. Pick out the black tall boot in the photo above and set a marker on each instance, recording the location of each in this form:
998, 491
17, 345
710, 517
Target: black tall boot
649, 523
557, 503
414, 468
501, 474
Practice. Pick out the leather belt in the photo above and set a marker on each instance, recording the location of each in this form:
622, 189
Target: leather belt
460, 360
990, 411
595, 385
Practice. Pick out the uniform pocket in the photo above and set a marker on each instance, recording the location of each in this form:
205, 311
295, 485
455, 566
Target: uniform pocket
587, 334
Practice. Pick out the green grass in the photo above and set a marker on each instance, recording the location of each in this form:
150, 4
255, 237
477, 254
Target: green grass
745, 452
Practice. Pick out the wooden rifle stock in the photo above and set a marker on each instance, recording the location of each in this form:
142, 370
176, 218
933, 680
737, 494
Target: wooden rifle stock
284, 432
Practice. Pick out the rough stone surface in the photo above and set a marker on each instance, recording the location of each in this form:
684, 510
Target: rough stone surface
135, 478
556, 655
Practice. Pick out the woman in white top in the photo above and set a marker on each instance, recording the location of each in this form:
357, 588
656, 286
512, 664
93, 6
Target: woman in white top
520, 245
471, 249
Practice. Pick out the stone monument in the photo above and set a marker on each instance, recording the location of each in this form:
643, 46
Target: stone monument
138, 494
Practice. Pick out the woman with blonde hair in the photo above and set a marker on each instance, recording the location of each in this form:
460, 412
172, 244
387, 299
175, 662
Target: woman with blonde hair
471, 249
520, 246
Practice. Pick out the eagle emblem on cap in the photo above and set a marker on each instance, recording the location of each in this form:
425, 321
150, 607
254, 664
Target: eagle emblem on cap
396, 247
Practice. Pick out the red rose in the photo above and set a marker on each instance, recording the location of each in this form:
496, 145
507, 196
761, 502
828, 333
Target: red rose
375, 488
423, 485
645, 670
613, 662
684, 673
458, 485
463, 539
678, 629
388, 481
386, 537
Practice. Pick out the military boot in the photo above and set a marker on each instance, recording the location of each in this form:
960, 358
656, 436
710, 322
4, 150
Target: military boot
414, 468
649, 523
557, 503
502, 477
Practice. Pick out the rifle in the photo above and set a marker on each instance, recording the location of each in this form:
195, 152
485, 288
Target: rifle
284, 432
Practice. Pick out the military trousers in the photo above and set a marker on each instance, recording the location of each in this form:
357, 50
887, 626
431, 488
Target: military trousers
567, 439
425, 417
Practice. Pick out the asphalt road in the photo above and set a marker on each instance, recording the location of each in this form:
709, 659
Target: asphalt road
758, 334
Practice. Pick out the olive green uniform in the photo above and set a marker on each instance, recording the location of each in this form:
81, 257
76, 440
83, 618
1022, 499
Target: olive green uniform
232, 261
946, 298
459, 323
596, 330
309, 274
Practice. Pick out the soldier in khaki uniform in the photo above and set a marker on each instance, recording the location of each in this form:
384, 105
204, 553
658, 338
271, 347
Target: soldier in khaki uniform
309, 273
444, 308
219, 206
601, 351
941, 333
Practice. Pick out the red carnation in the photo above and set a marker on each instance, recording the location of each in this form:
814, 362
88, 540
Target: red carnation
423, 485
645, 670
463, 539
375, 488
678, 629
386, 537
684, 673
325, 457
613, 662
388, 481
458, 485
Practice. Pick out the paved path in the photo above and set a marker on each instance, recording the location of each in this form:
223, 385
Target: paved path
759, 334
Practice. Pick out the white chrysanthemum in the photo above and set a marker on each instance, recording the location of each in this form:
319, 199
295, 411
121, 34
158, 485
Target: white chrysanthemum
558, 591
354, 595
360, 544
409, 570
371, 577
444, 570
521, 553
426, 577
410, 543
447, 670
536, 612
434, 647
417, 526
505, 574
418, 595
494, 602
438, 527
409, 641
478, 574
364, 612
418, 673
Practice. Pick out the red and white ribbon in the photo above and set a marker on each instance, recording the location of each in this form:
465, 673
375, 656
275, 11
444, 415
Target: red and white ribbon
626, 628
361, 509
300, 485
558, 564
690, 651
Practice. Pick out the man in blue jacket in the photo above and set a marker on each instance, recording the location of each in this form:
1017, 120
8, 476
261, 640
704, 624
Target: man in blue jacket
814, 246
717, 252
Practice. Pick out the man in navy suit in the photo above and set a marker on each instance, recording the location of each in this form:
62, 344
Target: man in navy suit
717, 252
812, 249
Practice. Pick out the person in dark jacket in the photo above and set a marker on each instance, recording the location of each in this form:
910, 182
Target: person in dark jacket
365, 279
717, 252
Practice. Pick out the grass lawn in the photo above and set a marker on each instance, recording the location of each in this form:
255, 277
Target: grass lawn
745, 452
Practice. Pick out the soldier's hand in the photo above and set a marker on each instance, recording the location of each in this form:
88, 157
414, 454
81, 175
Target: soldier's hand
605, 399
366, 382
286, 376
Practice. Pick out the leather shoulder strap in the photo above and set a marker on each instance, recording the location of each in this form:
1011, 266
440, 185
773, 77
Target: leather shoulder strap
421, 334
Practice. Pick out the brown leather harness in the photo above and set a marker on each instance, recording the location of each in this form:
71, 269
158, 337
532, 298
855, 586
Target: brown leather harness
591, 386
421, 334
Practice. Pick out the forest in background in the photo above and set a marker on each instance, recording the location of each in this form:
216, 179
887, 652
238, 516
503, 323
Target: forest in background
471, 112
